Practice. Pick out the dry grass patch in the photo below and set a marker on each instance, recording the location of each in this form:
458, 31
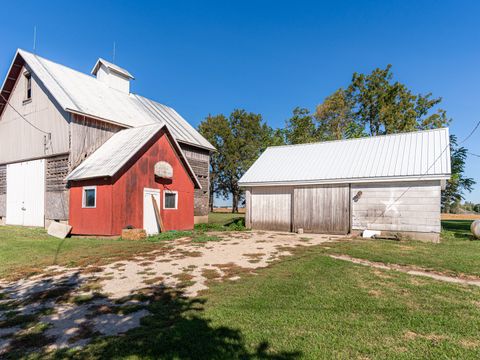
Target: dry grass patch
232, 270
154, 280
211, 274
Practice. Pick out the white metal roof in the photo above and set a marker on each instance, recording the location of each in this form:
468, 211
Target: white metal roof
407, 156
81, 93
109, 158
110, 66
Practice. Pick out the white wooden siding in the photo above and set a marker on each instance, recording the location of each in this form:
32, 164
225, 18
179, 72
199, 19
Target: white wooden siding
18, 139
271, 208
417, 208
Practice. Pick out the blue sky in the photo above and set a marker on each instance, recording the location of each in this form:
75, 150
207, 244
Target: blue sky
263, 56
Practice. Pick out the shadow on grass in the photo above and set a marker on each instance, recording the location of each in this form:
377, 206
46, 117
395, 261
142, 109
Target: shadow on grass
173, 328
176, 330
459, 228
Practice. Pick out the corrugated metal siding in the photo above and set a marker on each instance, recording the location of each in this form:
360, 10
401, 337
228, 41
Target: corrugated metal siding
85, 94
400, 155
397, 206
18, 139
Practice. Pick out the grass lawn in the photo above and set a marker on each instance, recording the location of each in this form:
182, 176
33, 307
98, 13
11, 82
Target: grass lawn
311, 306
25, 251
307, 306
457, 254
223, 218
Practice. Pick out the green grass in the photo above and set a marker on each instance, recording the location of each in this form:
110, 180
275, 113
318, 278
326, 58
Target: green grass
457, 254
307, 306
314, 307
25, 251
223, 218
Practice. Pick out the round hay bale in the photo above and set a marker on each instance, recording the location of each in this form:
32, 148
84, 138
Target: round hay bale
475, 228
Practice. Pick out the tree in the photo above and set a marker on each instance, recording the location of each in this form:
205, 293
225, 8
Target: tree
476, 208
239, 139
216, 130
382, 106
458, 183
301, 128
335, 118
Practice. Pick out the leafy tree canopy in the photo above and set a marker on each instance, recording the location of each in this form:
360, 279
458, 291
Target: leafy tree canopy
458, 183
239, 140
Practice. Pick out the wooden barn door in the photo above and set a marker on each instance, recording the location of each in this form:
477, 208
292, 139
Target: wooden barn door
271, 208
322, 209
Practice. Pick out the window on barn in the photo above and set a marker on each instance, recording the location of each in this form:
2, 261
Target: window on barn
89, 198
170, 199
28, 86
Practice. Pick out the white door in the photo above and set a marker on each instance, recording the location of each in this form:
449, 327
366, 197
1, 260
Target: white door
149, 219
26, 193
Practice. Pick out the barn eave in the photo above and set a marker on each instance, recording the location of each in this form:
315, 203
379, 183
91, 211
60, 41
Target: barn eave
346, 181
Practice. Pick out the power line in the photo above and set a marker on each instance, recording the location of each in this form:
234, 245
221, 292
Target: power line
473, 154
23, 117
471, 133
426, 172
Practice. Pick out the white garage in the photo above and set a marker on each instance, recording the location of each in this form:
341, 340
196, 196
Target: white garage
26, 193
390, 183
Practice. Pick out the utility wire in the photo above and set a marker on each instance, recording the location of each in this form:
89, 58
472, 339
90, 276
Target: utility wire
23, 117
473, 154
471, 133
426, 172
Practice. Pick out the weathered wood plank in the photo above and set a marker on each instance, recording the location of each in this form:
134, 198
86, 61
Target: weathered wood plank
271, 208
322, 209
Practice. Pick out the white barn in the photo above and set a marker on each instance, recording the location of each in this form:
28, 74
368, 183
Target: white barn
390, 183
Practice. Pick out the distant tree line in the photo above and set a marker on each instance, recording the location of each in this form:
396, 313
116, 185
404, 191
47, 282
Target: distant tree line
372, 104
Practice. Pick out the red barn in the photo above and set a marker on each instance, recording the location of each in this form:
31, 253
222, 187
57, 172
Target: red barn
115, 186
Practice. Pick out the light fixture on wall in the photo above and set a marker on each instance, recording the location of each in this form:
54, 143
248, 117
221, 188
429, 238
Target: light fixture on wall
357, 196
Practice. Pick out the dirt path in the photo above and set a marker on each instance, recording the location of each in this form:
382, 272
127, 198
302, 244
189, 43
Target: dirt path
66, 307
407, 270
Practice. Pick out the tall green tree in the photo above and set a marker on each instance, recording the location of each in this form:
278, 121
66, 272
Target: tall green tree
239, 139
216, 129
458, 183
301, 127
384, 106
335, 118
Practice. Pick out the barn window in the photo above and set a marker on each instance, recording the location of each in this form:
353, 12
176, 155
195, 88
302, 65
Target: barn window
89, 199
170, 199
28, 86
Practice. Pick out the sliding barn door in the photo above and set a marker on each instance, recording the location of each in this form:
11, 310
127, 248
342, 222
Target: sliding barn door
271, 208
322, 209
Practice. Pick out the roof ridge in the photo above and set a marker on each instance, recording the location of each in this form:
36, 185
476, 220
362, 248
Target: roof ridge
359, 138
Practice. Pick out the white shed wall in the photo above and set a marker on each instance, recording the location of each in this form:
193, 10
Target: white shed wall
418, 209
18, 139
